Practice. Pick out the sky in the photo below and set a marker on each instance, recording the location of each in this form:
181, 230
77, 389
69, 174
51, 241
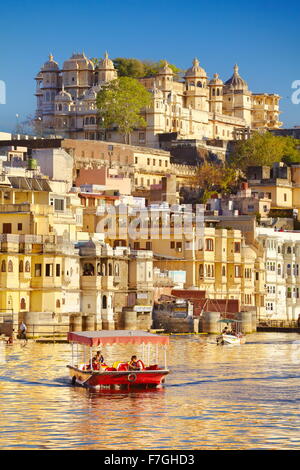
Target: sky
262, 37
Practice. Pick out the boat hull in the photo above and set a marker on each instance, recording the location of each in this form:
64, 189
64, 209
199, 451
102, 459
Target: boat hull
230, 339
128, 379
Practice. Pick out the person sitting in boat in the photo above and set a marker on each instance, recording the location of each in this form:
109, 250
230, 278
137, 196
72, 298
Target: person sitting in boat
134, 364
225, 331
99, 358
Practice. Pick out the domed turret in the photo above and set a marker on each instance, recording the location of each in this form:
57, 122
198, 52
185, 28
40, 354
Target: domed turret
236, 82
215, 94
195, 71
216, 81
107, 71
165, 69
50, 65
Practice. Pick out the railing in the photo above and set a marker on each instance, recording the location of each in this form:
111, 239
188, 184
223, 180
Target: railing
48, 331
278, 323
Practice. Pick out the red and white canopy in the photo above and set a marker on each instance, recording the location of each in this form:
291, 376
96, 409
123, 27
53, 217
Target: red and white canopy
97, 338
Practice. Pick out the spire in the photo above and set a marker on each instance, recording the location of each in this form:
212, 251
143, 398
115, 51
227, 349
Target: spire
196, 62
51, 57
236, 69
106, 55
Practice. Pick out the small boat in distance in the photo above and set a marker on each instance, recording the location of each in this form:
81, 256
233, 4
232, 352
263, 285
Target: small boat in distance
84, 371
231, 337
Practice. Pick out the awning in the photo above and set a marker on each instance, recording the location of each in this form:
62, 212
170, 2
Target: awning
229, 320
100, 338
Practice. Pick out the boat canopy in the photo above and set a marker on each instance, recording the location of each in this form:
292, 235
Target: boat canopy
97, 338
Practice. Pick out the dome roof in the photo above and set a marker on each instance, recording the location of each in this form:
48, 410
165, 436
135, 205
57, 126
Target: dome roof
195, 70
236, 82
78, 61
106, 63
50, 65
63, 95
216, 80
165, 69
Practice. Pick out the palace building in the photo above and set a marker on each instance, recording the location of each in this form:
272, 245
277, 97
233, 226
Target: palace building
194, 107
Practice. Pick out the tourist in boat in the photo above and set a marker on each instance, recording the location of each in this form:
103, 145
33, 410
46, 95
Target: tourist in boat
99, 358
225, 331
134, 364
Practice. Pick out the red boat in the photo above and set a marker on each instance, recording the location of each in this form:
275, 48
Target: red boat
120, 374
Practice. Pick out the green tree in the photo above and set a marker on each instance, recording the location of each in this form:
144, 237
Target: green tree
120, 104
210, 179
129, 67
264, 149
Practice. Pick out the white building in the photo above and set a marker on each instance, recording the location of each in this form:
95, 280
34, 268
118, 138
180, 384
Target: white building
282, 275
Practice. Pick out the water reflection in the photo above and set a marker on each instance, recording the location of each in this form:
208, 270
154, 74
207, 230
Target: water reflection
230, 397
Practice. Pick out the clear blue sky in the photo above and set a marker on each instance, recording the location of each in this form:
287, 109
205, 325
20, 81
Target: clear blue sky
261, 36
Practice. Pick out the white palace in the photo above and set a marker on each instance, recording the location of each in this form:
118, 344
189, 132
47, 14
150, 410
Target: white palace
193, 108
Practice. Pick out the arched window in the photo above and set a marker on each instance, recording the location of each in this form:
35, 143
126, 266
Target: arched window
209, 244
223, 271
213, 92
27, 267
21, 266
218, 92
110, 270
104, 301
199, 84
23, 304
201, 273
3, 266
10, 266
57, 303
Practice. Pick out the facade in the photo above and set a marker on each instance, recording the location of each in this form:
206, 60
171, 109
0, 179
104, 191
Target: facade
193, 108
282, 275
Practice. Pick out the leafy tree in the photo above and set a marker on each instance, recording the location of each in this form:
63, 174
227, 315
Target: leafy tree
120, 104
215, 178
264, 149
152, 68
129, 67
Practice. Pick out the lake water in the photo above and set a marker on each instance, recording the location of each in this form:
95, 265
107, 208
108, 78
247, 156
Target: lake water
216, 397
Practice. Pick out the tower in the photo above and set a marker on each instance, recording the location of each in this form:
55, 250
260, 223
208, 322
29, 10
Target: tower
215, 94
106, 70
237, 97
196, 90
47, 87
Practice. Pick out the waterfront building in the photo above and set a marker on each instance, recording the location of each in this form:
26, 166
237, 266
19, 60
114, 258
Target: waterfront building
194, 107
282, 275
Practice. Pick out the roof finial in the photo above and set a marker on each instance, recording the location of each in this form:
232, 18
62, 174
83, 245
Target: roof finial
106, 55
51, 57
196, 62
236, 68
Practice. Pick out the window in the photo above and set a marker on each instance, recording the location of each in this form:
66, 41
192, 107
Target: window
57, 270
57, 303
136, 246
3, 266
201, 272
104, 301
20, 226
10, 266
27, 267
135, 159
209, 244
237, 271
178, 246
223, 271
23, 304
49, 270
21, 266
38, 270
172, 245
285, 197
148, 246
237, 247
6, 228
